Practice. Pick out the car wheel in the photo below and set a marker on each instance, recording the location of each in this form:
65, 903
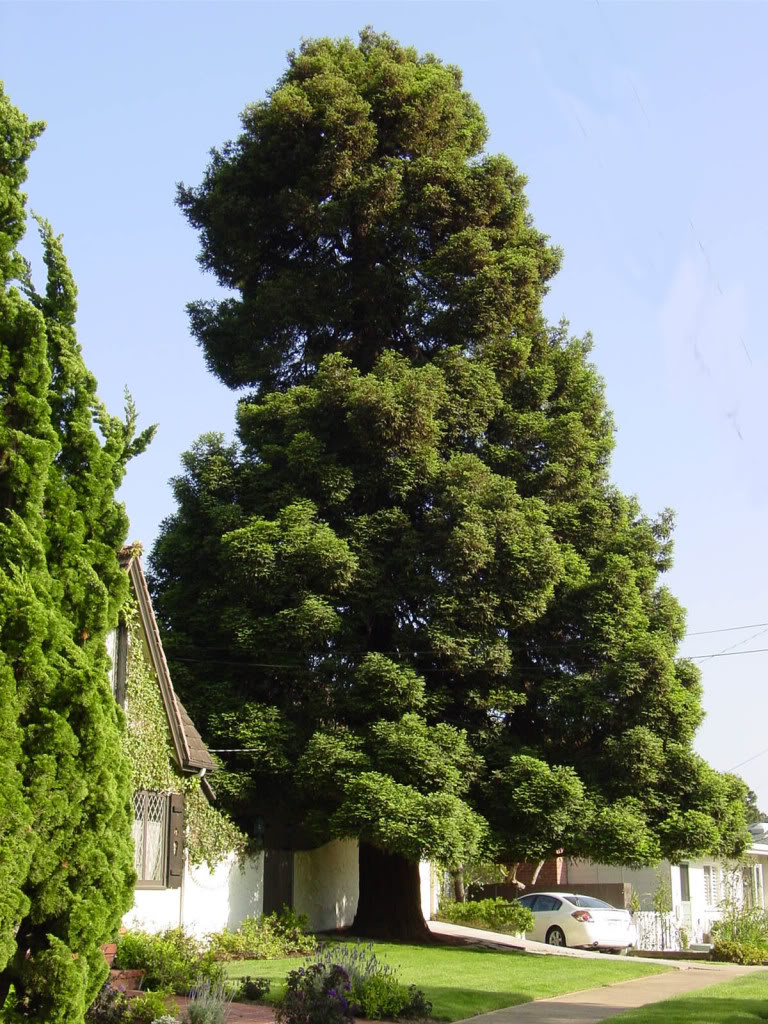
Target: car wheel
556, 937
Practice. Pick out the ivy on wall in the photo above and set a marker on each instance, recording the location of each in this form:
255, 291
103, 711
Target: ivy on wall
211, 834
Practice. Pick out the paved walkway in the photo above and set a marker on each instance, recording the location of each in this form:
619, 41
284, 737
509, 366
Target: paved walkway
244, 1013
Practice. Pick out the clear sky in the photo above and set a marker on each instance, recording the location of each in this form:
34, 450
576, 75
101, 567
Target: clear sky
641, 127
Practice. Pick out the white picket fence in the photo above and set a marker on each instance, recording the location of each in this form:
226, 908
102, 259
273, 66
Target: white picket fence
656, 931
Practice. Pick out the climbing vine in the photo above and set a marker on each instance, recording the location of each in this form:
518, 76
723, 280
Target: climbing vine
211, 834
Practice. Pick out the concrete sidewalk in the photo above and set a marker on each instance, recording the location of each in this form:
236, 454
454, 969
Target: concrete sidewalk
597, 1004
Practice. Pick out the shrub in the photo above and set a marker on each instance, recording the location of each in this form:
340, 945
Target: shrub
146, 1008
268, 937
496, 915
208, 1004
418, 1006
370, 988
172, 959
380, 997
167, 1018
730, 952
109, 1007
252, 988
746, 925
316, 995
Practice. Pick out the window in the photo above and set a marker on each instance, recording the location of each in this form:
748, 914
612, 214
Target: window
590, 901
117, 646
546, 903
711, 885
685, 884
158, 839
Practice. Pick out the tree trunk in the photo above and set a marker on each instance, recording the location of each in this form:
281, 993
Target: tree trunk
536, 873
390, 898
5, 987
459, 892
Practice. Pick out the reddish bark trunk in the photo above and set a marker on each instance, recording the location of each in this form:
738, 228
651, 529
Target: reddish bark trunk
390, 898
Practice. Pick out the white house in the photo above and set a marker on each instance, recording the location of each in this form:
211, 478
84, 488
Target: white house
173, 794
695, 890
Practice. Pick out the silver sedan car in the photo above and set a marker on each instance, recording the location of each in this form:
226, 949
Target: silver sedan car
567, 919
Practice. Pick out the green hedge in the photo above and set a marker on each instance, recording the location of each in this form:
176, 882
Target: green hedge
730, 952
494, 915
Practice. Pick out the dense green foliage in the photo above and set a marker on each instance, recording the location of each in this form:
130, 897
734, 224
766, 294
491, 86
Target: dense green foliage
171, 960
733, 951
409, 588
357, 213
266, 937
210, 834
496, 915
741, 923
66, 860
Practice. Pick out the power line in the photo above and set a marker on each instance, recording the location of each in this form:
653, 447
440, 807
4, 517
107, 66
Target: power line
727, 629
726, 654
302, 665
753, 758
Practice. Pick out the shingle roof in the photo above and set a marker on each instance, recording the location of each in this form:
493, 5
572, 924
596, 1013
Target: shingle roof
191, 752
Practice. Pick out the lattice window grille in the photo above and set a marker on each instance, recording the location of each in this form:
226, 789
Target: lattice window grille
150, 836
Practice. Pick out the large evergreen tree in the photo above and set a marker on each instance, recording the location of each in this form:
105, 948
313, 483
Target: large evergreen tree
409, 591
66, 859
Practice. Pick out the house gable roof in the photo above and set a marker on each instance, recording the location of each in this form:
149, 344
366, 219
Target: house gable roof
191, 753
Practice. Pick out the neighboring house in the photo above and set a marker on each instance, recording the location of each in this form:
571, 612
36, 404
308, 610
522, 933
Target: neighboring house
192, 864
694, 890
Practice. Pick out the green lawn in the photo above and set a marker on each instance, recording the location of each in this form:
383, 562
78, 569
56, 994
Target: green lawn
742, 1001
463, 982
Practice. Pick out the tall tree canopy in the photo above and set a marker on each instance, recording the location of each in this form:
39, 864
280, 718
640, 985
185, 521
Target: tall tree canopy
409, 588
66, 863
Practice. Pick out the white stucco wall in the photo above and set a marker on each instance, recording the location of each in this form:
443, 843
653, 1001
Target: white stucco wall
326, 884
429, 889
207, 900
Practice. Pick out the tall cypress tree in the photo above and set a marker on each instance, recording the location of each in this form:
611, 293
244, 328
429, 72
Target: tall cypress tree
69, 849
410, 591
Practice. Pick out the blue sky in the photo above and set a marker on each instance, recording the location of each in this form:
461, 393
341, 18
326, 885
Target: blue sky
641, 129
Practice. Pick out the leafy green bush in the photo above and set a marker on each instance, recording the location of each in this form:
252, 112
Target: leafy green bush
252, 988
109, 1007
268, 937
495, 915
146, 1008
171, 959
370, 986
730, 952
316, 995
380, 997
740, 924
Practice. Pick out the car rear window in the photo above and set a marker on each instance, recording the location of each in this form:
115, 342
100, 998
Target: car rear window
589, 901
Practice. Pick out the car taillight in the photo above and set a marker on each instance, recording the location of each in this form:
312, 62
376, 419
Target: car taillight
582, 915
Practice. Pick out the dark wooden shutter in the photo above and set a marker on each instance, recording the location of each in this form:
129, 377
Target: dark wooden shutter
175, 840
